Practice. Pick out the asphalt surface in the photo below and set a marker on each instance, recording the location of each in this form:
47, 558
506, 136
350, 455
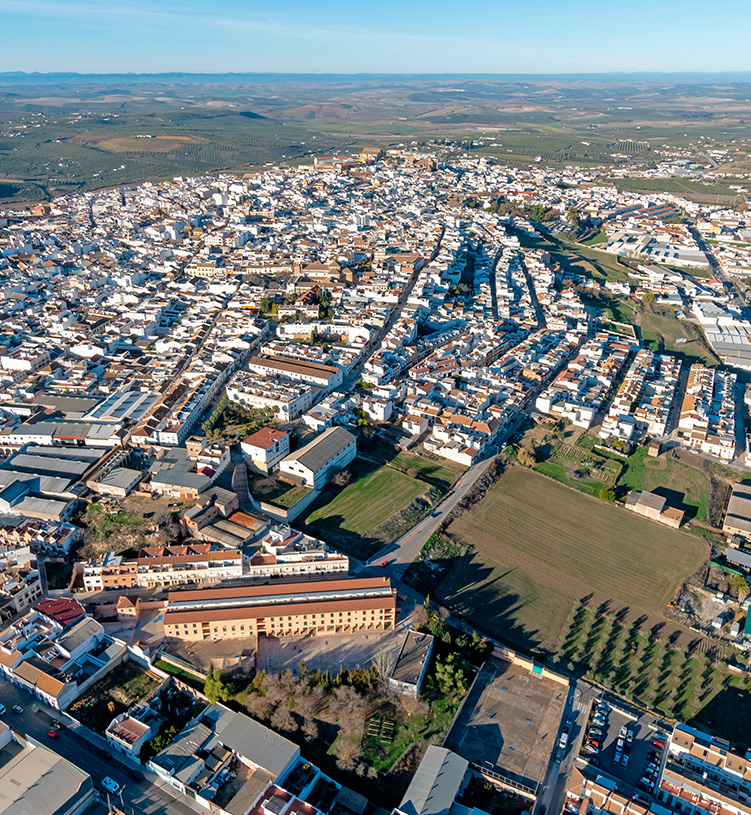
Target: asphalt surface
399, 554
143, 797
575, 714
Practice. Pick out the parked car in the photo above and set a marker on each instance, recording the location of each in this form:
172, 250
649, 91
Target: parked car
619, 744
137, 775
2, 709
622, 732
591, 750
658, 744
629, 735
624, 760
110, 785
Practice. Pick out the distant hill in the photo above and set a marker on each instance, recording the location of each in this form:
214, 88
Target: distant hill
66, 78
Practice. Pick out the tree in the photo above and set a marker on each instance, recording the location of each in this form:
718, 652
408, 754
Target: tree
265, 305
215, 688
351, 707
739, 587
260, 707
343, 478
439, 629
282, 719
572, 216
164, 737
648, 297
452, 675
310, 729
607, 495
527, 456
480, 645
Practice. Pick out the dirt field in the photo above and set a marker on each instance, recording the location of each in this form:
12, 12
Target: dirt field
539, 546
157, 144
510, 720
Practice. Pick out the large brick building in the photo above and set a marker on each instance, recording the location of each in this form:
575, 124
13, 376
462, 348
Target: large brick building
328, 606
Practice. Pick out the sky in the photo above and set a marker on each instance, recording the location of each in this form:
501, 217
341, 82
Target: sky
381, 36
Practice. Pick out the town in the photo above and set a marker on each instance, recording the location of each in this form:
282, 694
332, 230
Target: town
402, 481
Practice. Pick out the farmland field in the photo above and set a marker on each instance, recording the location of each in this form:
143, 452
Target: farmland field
539, 546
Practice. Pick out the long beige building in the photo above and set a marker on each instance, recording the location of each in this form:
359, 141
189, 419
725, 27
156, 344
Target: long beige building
315, 607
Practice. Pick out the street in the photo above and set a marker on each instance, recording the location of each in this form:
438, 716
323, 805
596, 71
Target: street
580, 697
148, 796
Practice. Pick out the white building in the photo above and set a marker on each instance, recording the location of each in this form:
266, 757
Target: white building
314, 464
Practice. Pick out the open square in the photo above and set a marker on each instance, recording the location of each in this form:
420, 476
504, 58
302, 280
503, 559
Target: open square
509, 722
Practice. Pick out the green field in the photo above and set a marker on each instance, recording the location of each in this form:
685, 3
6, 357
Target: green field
684, 487
661, 332
538, 547
367, 502
621, 311
442, 473
680, 186
578, 259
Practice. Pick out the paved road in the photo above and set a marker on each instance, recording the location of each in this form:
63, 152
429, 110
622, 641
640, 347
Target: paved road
405, 549
145, 797
552, 795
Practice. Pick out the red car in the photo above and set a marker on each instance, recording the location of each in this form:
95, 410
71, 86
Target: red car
53, 734
384, 564
658, 744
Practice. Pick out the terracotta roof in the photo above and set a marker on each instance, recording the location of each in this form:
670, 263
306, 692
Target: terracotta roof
278, 610
307, 587
265, 437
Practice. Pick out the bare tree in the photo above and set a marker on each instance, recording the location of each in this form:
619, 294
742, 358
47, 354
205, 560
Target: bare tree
351, 708
260, 707
282, 719
383, 662
308, 700
310, 729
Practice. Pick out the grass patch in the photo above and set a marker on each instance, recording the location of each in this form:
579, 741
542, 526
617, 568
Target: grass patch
437, 557
184, 676
620, 311
577, 259
661, 333
684, 487
594, 240
367, 502
286, 496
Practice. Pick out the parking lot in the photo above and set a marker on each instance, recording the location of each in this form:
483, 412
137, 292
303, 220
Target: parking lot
626, 737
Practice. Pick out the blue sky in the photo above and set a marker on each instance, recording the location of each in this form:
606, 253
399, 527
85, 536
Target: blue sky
386, 36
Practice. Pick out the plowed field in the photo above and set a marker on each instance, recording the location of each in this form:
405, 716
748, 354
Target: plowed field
539, 546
